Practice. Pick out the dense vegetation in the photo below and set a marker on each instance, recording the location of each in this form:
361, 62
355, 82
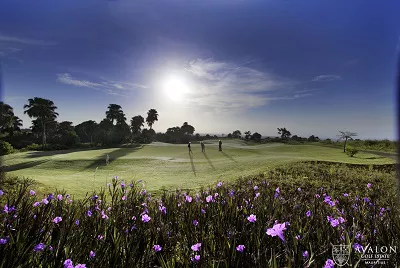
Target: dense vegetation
288, 216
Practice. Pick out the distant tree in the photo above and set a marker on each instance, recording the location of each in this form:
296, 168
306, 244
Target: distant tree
115, 112
87, 130
6, 117
137, 122
8, 121
236, 134
152, 116
198, 137
247, 135
187, 129
122, 132
174, 134
44, 111
346, 135
147, 135
256, 137
312, 138
106, 131
285, 134
295, 137
208, 136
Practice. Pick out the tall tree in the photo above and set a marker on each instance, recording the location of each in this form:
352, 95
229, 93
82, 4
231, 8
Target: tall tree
152, 116
137, 122
285, 134
42, 109
114, 112
346, 135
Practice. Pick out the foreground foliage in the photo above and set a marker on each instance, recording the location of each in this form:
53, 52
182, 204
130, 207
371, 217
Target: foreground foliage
289, 217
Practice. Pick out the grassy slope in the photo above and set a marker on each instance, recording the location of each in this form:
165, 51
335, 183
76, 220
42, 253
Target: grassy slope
165, 165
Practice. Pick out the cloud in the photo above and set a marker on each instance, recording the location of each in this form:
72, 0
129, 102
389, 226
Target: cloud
27, 41
109, 87
225, 86
327, 78
8, 51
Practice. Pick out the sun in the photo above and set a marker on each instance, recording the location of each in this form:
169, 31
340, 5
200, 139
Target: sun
175, 89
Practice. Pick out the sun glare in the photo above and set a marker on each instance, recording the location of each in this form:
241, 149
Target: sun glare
175, 89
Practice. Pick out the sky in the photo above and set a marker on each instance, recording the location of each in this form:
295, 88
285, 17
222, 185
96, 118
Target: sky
314, 67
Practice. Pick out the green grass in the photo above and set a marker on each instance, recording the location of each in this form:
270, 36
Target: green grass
167, 166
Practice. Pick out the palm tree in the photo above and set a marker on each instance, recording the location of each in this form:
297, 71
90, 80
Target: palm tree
346, 135
137, 122
114, 113
44, 111
152, 116
17, 124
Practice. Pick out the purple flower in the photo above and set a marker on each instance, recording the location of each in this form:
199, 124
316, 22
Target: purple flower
196, 247
216, 195
36, 204
329, 264
219, 184
255, 188
317, 196
3, 241
232, 193
277, 230
122, 184
57, 219
334, 222
103, 215
89, 213
369, 185
145, 218
59, 197
77, 222
209, 198
345, 194
366, 199
32, 192
100, 237
252, 218
157, 248
203, 211
341, 220
299, 189
277, 190
195, 222
45, 201
240, 248
92, 254
358, 247
188, 198
257, 195
197, 257
80, 265
308, 213
39, 247
305, 254
108, 184
68, 263
163, 209
123, 198
297, 237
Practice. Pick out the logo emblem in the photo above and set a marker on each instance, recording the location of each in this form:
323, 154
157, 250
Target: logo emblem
341, 254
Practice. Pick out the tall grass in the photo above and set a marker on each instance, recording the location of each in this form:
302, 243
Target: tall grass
124, 226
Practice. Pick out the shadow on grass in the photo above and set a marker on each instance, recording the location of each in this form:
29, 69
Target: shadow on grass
208, 160
191, 162
228, 156
35, 154
24, 165
114, 155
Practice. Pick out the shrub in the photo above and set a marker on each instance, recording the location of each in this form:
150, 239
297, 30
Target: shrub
34, 147
351, 151
122, 225
6, 148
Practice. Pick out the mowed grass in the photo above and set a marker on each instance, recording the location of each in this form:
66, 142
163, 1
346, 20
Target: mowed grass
165, 166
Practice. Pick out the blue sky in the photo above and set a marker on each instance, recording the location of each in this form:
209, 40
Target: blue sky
314, 67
